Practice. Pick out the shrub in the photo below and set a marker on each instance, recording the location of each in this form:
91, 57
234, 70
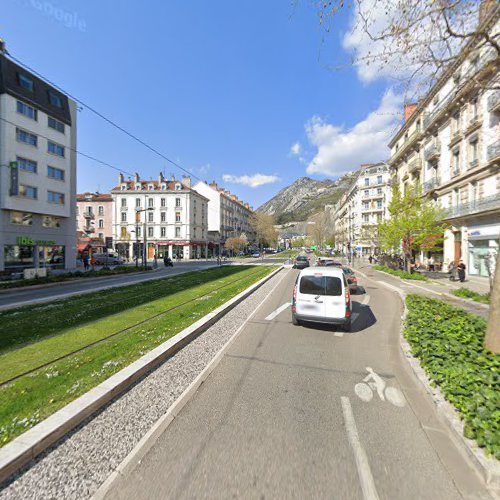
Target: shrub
449, 343
470, 294
402, 274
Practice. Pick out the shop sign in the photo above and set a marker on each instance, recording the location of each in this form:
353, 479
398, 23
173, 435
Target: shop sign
27, 241
14, 178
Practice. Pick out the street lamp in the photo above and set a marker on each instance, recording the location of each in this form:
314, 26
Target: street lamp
144, 255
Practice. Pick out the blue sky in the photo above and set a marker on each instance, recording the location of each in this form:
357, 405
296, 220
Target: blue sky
224, 88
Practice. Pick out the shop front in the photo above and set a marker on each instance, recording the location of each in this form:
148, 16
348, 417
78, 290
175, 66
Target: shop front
31, 253
483, 240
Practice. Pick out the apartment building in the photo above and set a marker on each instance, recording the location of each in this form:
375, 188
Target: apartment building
94, 217
37, 173
450, 146
362, 208
227, 215
165, 217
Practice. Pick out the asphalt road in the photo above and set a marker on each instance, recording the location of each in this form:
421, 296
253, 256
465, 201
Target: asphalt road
27, 296
279, 418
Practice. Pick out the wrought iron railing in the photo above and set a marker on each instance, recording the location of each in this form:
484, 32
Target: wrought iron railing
494, 101
431, 184
472, 207
493, 151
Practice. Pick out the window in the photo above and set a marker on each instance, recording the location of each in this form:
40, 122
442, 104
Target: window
379, 179
55, 173
124, 202
55, 99
194, 232
26, 110
178, 187
101, 236
163, 202
124, 186
137, 202
321, 285
379, 190
163, 232
100, 224
177, 232
124, 216
379, 204
55, 124
26, 165
53, 197
138, 231
150, 216
21, 218
26, 137
177, 202
52, 222
366, 206
366, 218
474, 108
163, 217
177, 216
367, 181
456, 161
100, 210
55, 149
150, 232
28, 192
151, 203
123, 232
25, 82
473, 149
151, 187
367, 192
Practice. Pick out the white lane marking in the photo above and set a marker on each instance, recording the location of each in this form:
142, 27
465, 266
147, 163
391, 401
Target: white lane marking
364, 471
392, 287
365, 300
374, 382
339, 334
278, 311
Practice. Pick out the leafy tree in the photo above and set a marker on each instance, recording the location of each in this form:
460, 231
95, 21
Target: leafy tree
298, 242
265, 232
415, 223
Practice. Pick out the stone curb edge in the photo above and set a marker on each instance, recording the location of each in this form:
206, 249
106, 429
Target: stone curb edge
488, 468
141, 449
27, 446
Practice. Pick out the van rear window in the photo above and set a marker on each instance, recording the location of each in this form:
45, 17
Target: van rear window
321, 285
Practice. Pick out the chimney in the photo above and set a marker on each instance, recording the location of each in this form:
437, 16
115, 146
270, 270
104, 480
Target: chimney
3, 48
120, 178
409, 109
486, 7
160, 178
136, 177
186, 181
213, 185
173, 178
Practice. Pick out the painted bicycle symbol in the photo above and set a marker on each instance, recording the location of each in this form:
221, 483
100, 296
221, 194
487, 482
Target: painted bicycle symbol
375, 383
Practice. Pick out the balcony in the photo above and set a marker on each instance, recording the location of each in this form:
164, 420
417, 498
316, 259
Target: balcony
88, 214
454, 172
473, 163
433, 152
485, 204
473, 124
405, 147
494, 102
415, 165
455, 137
431, 184
493, 152
89, 230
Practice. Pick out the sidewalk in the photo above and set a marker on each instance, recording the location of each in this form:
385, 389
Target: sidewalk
475, 283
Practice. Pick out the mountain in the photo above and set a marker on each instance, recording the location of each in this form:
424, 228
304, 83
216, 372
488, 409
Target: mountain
305, 197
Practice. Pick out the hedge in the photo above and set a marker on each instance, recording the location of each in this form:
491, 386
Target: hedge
402, 274
466, 293
449, 344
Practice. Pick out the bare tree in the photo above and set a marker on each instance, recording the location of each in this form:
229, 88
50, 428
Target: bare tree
263, 225
320, 227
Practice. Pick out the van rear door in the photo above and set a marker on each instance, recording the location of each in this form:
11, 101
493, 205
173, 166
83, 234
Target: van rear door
311, 295
335, 305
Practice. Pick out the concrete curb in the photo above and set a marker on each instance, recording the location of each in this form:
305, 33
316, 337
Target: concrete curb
488, 468
146, 443
34, 441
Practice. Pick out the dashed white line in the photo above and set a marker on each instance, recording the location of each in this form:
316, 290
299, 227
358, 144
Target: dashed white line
278, 311
364, 471
339, 334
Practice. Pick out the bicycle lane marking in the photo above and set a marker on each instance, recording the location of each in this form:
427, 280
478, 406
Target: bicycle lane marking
364, 472
278, 311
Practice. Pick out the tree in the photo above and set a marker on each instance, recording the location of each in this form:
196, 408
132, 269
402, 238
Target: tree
319, 228
298, 242
427, 35
263, 225
415, 223
237, 243
492, 340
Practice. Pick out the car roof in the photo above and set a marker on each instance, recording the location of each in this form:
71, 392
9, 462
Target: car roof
323, 271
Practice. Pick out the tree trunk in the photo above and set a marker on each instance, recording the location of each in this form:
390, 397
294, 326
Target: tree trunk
492, 340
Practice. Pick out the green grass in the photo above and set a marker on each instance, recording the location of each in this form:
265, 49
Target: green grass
401, 274
287, 254
466, 293
57, 278
449, 343
38, 334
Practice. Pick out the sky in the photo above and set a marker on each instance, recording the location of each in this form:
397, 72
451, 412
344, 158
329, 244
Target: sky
244, 93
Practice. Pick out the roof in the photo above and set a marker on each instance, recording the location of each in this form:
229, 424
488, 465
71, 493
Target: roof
94, 197
156, 187
39, 98
322, 271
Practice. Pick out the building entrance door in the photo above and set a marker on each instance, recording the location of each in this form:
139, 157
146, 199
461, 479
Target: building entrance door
458, 246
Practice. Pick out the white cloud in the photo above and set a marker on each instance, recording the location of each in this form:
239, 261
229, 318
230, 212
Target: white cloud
252, 181
340, 150
296, 149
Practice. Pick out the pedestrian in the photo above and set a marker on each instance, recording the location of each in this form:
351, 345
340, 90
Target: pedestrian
85, 263
370, 259
431, 263
452, 271
461, 271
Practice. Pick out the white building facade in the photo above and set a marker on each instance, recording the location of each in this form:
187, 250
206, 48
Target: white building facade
37, 173
450, 145
165, 217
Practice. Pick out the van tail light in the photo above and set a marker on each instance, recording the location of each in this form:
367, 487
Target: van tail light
347, 296
354, 280
294, 298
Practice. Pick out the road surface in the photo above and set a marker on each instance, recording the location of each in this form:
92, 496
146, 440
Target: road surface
280, 418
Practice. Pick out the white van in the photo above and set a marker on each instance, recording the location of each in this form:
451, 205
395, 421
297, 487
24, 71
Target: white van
321, 295
111, 258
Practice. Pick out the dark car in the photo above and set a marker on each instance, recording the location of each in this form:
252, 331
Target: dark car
301, 262
351, 279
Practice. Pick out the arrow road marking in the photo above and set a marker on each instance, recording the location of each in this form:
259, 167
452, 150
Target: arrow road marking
278, 311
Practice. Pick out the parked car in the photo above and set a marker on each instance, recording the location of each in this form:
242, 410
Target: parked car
351, 279
256, 255
301, 262
110, 259
322, 296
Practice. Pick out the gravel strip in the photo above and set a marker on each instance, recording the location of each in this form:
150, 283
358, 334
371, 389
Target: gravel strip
78, 464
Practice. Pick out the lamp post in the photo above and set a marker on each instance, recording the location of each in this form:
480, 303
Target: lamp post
138, 211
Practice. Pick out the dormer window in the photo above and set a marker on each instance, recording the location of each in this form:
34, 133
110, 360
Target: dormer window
55, 99
138, 186
124, 186
178, 187
164, 187
26, 82
151, 187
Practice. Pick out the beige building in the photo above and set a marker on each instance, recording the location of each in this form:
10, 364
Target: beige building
94, 216
450, 146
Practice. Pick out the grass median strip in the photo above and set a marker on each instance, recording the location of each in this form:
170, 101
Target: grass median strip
466, 293
401, 274
31, 398
449, 344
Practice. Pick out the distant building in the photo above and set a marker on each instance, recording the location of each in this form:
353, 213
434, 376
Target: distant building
167, 216
94, 217
37, 172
